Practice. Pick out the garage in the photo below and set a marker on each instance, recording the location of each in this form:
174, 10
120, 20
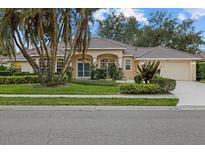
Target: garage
178, 70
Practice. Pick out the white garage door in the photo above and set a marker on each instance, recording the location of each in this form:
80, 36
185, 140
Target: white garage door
178, 70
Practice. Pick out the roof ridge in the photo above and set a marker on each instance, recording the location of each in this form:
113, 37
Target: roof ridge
149, 51
114, 42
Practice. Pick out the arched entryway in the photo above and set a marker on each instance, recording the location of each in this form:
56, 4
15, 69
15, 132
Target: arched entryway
104, 60
81, 66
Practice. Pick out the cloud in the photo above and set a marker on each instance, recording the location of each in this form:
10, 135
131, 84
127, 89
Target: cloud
137, 13
181, 17
100, 14
127, 12
196, 13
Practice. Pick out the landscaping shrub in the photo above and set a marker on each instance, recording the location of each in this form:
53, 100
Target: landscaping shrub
148, 70
69, 73
166, 84
101, 74
94, 82
139, 89
115, 72
201, 71
18, 79
23, 73
93, 71
5, 73
138, 79
3, 68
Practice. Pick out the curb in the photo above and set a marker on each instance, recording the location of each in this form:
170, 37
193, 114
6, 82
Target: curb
103, 108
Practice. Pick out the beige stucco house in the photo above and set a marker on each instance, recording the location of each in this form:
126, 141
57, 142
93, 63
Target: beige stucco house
174, 64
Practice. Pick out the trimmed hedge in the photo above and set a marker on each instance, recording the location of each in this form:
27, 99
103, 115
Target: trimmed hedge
23, 73
94, 82
201, 71
18, 79
5, 73
139, 88
166, 84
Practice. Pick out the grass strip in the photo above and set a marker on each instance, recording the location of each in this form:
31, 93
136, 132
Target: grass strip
89, 101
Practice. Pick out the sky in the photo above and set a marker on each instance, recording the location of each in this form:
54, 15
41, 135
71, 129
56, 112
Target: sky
141, 14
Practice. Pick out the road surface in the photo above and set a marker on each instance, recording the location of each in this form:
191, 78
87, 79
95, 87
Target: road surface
101, 127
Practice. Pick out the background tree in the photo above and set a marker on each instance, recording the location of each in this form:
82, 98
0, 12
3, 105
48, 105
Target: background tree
45, 29
119, 28
186, 38
163, 29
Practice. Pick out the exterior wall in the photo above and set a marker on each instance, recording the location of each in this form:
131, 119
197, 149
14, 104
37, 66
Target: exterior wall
74, 63
179, 69
129, 74
26, 67
95, 56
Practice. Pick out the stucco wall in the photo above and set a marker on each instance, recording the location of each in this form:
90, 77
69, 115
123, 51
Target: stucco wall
129, 74
95, 56
178, 69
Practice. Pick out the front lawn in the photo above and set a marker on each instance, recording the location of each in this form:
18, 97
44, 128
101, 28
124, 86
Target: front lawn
89, 101
66, 89
202, 81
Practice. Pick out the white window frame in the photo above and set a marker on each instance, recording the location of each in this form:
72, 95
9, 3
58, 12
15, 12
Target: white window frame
126, 64
81, 61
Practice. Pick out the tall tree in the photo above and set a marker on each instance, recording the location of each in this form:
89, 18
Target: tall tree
163, 29
186, 38
119, 28
159, 31
44, 29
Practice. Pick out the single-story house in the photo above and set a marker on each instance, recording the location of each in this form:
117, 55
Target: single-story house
174, 64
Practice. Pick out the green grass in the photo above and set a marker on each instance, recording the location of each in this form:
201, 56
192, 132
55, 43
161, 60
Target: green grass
88, 101
202, 81
66, 89
95, 82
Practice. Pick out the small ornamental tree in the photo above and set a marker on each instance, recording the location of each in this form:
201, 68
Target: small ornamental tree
148, 70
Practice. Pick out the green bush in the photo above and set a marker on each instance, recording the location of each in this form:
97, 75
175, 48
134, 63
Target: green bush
5, 73
115, 72
138, 79
139, 89
201, 71
101, 74
3, 68
23, 73
148, 70
94, 82
166, 84
69, 73
93, 68
18, 79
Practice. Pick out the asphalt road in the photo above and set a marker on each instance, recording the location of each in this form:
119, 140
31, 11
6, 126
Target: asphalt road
101, 127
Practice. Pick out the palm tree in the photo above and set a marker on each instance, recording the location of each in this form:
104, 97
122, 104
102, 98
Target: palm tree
44, 29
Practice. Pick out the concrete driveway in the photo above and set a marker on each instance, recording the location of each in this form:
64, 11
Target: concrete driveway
190, 93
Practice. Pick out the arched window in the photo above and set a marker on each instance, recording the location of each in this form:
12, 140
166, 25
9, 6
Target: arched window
104, 63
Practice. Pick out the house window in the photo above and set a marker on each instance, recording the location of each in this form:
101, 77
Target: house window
83, 69
41, 63
104, 63
59, 65
127, 64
